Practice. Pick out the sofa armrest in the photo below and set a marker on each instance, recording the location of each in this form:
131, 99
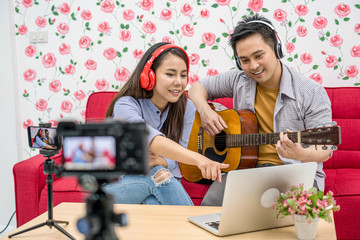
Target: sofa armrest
29, 180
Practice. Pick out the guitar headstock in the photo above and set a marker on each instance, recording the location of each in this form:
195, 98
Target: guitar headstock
322, 136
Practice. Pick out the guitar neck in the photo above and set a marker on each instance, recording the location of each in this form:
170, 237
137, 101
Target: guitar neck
239, 140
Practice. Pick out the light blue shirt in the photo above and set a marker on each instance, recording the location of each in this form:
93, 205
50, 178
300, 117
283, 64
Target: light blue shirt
143, 110
38, 143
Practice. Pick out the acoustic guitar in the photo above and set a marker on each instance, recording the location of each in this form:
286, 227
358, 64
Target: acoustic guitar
238, 145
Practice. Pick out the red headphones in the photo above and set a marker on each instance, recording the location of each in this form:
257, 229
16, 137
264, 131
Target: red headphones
147, 76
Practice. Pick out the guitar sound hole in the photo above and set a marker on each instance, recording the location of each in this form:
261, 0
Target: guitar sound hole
220, 141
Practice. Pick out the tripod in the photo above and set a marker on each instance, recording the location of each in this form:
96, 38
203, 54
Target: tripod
49, 169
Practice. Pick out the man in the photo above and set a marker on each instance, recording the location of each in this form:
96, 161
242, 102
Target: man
281, 99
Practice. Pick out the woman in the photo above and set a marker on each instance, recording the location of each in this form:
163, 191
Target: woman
154, 95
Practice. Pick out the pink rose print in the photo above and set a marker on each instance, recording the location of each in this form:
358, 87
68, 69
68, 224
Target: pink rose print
66, 106
166, 14
331, 61
41, 105
79, 95
351, 71
101, 85
122, 74
30, 75
49, 60
147, 4
302, 31
84, 42
255, 5
280, 15
149, 27
63, 28
30, 50
125, 35
86, 15
194, 58
212, 72
336, 40
208, 38
138, 53
316, 77
187, 30
27, 123
64, 49
107, 6
289, 47
90, 65
301, 10
109, 53
204, 13
223, 2
27, 3
54, 123
83, 114
55, 86
355, 51
104, 27
193, 79
342, 10
128, 15
357, 28
40, 22
306, 58
65, 9
168, 40
22, 30
320, 22
70, 69
186, 9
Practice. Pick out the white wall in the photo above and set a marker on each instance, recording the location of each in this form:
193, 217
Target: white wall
8, 119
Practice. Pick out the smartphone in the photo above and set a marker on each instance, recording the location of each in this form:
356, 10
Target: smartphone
43, 137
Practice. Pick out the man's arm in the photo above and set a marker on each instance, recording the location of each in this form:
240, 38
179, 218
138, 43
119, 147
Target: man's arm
211, 121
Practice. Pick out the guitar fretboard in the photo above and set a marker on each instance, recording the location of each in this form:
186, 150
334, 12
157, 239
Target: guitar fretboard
239, 140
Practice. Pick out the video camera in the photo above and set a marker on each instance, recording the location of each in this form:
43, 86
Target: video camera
97, 153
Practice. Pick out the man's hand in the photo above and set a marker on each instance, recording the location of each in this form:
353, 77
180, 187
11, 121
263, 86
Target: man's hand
288, 149
212, 122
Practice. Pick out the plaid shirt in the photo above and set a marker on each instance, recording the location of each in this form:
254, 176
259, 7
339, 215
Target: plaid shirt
302, 103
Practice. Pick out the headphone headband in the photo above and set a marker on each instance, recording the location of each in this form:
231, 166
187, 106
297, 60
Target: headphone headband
147, 76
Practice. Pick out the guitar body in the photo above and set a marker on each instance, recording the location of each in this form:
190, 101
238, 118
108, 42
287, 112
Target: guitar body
216, 148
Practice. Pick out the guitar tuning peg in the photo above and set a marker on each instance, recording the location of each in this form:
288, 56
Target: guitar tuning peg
333, 123
334, 147
324, 147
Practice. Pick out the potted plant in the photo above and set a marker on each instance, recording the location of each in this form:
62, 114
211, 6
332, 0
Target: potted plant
306, 207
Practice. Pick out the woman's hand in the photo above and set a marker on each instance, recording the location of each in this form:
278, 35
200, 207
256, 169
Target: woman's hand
156, 160
210, 169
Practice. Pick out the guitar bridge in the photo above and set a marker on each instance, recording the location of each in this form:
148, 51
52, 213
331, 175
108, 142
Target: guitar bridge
200, 140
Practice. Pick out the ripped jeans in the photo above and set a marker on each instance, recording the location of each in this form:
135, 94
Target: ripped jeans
157, 188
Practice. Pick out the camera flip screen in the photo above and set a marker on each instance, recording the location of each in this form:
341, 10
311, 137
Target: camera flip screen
89, 153
40, 137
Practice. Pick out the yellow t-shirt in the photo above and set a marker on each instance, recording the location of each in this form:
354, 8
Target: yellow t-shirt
264, 110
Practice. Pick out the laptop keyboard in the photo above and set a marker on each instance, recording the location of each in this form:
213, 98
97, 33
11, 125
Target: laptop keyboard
214, 224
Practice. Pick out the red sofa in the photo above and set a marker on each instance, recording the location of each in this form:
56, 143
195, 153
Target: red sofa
342, 170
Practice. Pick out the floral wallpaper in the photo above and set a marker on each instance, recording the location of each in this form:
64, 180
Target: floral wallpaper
93, 45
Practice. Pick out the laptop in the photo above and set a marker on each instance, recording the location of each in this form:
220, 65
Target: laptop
249, 196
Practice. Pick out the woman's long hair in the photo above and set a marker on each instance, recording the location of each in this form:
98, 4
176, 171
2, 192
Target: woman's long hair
38, 134
174, 123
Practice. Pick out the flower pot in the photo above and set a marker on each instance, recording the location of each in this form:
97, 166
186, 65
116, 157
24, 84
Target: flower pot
304, 229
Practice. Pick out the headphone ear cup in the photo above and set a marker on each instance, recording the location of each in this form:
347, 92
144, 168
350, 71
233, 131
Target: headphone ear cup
238, 64
279, 51
144, 80
152, 80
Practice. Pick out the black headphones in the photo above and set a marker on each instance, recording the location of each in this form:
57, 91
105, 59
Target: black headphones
279, 53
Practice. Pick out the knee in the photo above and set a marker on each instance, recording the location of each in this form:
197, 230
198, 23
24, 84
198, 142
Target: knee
161, 177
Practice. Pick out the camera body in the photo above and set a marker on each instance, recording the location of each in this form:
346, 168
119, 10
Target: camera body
105, 150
